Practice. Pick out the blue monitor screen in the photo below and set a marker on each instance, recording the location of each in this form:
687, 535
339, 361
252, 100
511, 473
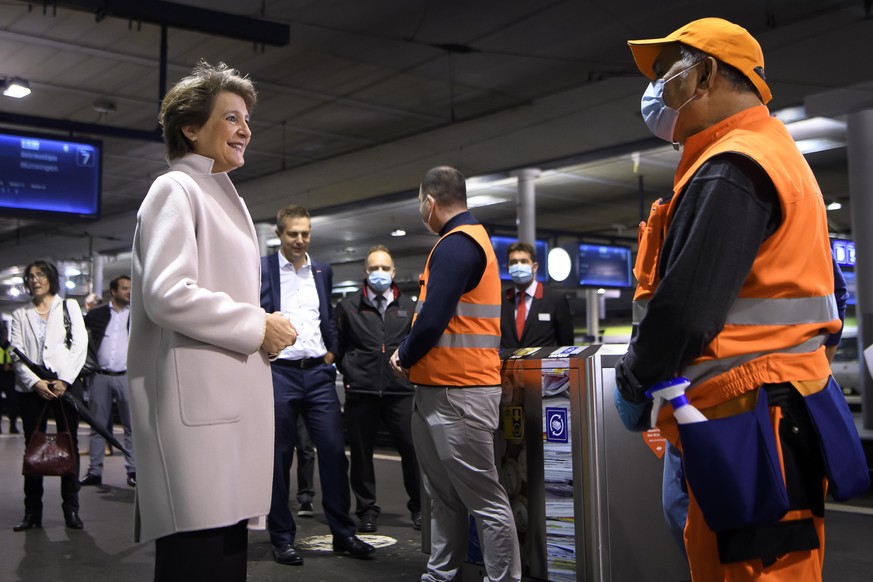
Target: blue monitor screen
604, 266
49, 177
844, 252
501, 243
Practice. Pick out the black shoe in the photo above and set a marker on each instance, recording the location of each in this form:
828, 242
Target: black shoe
91, 480
368, 523
72, 519
30, 521
287, 555
352, 546
306, 510
131, 479
416, 520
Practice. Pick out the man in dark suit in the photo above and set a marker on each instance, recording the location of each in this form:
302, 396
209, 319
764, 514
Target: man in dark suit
304, 382
530, 314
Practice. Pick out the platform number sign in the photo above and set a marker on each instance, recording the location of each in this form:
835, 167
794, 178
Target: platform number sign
557, 430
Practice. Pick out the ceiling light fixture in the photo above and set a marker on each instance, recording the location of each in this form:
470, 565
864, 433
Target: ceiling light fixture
16, 87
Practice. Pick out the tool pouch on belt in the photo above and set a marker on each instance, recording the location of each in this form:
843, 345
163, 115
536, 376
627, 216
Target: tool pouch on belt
733, 468
844, 461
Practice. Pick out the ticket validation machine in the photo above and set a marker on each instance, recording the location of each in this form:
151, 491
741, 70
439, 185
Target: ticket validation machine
585, 492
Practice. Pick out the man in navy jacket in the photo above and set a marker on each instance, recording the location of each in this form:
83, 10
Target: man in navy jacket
304, 382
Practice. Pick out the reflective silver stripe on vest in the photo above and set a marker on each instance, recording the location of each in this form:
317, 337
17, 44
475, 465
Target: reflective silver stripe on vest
471, 310
469, 340
698, 373
787, 311
639, 311
483, 311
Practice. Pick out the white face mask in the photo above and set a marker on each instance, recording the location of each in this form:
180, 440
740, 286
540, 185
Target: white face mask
661, 119
521, 273
426, 221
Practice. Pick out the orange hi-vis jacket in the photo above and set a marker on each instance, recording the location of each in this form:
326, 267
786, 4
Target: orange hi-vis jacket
776, 328
467, 352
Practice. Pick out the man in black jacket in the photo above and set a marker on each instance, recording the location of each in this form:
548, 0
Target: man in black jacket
544, 319
371, 323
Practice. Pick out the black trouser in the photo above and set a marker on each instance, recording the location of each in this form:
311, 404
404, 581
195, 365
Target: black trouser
208, 555
362, 414
305, 464
31, 405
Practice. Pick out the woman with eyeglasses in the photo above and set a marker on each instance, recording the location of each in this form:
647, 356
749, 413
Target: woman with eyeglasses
39, 330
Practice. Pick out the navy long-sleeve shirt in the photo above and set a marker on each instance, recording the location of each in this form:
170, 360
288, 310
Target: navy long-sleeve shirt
457, 264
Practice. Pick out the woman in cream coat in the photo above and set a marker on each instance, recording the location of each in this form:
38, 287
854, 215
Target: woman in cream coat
200, 385
40, 333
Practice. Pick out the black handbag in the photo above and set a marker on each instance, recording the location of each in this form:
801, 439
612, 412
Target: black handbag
89, 368
50, 454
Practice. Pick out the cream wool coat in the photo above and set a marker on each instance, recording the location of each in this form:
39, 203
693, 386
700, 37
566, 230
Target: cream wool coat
201, 393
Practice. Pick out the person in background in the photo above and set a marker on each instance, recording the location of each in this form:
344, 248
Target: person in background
108, 334
200, 396
736, 286
371, 323
451, 357
39, 331
7, 379
305, 471
531, 314
304, 385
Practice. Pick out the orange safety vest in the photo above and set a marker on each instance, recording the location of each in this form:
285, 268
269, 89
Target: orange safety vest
776, 328
467, 352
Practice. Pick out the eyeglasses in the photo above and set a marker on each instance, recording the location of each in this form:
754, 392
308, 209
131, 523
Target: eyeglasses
35, 275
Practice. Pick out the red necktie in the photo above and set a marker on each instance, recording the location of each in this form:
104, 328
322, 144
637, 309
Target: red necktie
520, 314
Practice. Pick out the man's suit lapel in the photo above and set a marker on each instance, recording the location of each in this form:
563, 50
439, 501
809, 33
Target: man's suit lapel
275, 288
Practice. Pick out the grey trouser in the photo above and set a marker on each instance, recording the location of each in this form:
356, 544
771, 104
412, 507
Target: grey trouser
453, 433
101, 390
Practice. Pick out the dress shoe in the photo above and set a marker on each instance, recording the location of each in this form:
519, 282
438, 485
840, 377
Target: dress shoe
367, 524
352, 546
287, 555
131, 479
72, 519
91, 480
30, 521
416, 520
306, 510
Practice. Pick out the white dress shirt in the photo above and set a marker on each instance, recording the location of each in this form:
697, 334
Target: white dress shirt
300, 305
529, 292
112, 354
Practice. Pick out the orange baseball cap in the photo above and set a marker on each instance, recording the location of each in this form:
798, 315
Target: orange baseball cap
726, 41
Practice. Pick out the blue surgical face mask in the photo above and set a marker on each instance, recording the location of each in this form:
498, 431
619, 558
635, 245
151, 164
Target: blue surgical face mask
521, 273
661, 119
379, 281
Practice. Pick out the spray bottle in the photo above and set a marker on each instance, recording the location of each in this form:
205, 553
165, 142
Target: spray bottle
673, 391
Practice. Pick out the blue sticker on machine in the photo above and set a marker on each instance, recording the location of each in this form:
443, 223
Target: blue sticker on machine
556, 425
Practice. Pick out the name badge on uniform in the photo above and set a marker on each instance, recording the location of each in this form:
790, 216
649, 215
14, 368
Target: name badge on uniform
401, 313
544, 316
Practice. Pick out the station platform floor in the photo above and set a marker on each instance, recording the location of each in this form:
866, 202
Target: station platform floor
104, 551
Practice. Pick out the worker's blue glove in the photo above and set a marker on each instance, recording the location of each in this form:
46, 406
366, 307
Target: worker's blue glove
634, 416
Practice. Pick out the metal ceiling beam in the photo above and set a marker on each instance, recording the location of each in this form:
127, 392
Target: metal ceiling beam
79, 127
186, 17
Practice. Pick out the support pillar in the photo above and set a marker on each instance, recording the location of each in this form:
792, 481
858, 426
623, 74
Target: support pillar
860, 152
526, 210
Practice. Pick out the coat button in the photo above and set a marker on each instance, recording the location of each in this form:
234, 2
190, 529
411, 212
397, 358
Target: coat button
795, 429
